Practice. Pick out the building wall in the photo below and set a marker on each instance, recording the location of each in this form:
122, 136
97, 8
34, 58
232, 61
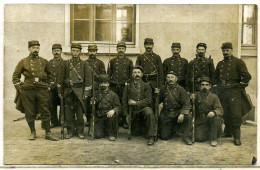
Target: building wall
187, 24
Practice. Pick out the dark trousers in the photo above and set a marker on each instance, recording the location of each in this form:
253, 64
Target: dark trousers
53, 103
210, 129
73, 107
106, 126
167, 125
35, 101
230, 99
143, 123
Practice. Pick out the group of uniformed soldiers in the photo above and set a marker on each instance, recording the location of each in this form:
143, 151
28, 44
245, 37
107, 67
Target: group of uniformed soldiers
176, 83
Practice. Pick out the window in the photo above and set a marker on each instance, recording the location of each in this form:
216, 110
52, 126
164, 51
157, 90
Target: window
249, 26
102, 23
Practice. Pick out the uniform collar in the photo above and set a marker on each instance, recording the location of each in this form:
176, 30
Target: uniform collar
172, 86
228, 57
34, 57
75, 59
146, 53
204, 94
119, 57
200, 58
57, 59
176, 57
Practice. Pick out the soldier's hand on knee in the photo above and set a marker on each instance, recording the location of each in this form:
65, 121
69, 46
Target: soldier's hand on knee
131, 102
180, 118
211, 114
110, 113
156, 90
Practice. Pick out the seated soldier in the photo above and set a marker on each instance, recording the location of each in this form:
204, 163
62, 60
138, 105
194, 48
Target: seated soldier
138, 95
107, 106
208, 114
176, 109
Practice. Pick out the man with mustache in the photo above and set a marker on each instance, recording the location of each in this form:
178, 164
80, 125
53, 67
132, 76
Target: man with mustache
231, 79
77, 87
119, 70
151, 64
33, 92
138, 95
97, 67
199, 67
176, 109
57, 67
177, 64
108, 107
209, 111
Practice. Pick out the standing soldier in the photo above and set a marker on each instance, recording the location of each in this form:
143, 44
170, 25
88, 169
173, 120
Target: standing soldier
34, 93
151, 64
232, 77
176, 64
98, 67
199, 67
138, 95
119, 71
208, 114
176, 109
57, 69
107, 108
77, 86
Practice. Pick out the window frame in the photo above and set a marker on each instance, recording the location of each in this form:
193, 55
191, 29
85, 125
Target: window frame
249, 46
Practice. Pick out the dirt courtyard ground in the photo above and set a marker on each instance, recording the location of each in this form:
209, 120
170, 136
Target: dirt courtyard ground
18, 150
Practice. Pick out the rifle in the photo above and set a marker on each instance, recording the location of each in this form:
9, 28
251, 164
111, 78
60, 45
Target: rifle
62, 117
127, 86
93, 108
193, 106
157, 107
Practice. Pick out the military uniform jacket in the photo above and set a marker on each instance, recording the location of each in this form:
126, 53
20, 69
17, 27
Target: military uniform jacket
141, 93
36, 71
106, 102
202, 67
120, 70
97, 66
178, 65
57, 67
77, 77
175, 100
205, 103
231, 71
151, 64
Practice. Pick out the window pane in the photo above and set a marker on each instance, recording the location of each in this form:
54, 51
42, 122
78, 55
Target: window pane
248, 34
249, 13
103, 31
124, 12
123, 31
104, 11
81, 11
81, 30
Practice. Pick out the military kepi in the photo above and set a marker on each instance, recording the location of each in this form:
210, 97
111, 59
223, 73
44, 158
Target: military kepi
227, 45
148, 41
33, 42
172, 72
103, 78
176, 45
76, 45
121, 44
56, 46
139, 67
204, 79
92, 47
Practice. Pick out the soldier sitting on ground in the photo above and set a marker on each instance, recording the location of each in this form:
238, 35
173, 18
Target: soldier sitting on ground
208, 114
138, 95
176, 109
107, 108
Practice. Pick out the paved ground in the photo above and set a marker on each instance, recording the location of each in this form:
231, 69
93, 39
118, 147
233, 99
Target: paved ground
19, 150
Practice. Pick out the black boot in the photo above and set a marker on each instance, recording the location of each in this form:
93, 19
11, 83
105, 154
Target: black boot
48, 135
236, 133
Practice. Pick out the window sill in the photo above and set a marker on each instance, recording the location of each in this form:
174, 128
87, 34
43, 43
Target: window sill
248, 52
105, 50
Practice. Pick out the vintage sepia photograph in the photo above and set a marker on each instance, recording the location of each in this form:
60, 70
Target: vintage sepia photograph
130, 85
